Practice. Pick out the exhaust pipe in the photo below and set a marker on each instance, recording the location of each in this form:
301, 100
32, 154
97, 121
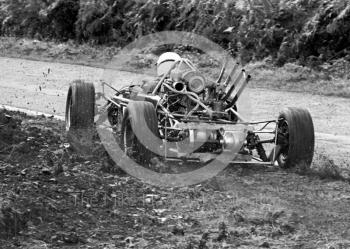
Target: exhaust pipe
179, 86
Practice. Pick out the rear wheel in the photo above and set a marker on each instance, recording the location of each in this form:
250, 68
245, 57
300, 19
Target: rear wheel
140, 137
80, 112
296, 138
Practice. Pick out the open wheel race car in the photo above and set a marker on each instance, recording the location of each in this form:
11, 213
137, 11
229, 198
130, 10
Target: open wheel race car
183, 116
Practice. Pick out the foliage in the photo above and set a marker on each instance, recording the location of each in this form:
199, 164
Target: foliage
309, 31
62, 15
39, 18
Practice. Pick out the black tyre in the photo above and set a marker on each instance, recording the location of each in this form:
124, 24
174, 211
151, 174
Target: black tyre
296, 138
80, 105
80, 112
140, 137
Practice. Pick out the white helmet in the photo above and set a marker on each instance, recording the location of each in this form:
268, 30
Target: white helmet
165, 61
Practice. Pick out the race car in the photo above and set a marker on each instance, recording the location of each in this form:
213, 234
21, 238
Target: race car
181, 115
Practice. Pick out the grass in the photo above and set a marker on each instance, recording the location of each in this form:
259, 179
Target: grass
325, 168
296, 78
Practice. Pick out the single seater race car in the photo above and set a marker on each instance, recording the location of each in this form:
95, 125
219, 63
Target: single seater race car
184, 116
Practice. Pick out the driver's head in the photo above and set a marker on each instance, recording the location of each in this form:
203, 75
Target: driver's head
165, 61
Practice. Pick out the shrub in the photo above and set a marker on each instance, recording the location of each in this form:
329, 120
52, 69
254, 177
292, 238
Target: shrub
309, 31
21, 18
94, 21
62, 16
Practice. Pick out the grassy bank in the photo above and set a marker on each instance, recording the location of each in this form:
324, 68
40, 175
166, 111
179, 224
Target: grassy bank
296, 78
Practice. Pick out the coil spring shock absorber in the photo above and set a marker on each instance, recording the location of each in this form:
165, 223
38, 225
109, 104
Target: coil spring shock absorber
254, 143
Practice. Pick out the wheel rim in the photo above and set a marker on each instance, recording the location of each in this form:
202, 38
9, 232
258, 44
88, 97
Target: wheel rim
283, 130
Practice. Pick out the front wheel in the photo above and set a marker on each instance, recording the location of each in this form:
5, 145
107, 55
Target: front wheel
296, 138
140, 136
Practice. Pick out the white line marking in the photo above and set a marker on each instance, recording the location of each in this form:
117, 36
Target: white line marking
31, 112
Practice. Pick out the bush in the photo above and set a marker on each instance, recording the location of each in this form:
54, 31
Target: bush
22, 18
308, 31
94, 22
62, 15
39, 18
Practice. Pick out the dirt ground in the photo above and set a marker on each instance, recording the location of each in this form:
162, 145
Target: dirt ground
50, 197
